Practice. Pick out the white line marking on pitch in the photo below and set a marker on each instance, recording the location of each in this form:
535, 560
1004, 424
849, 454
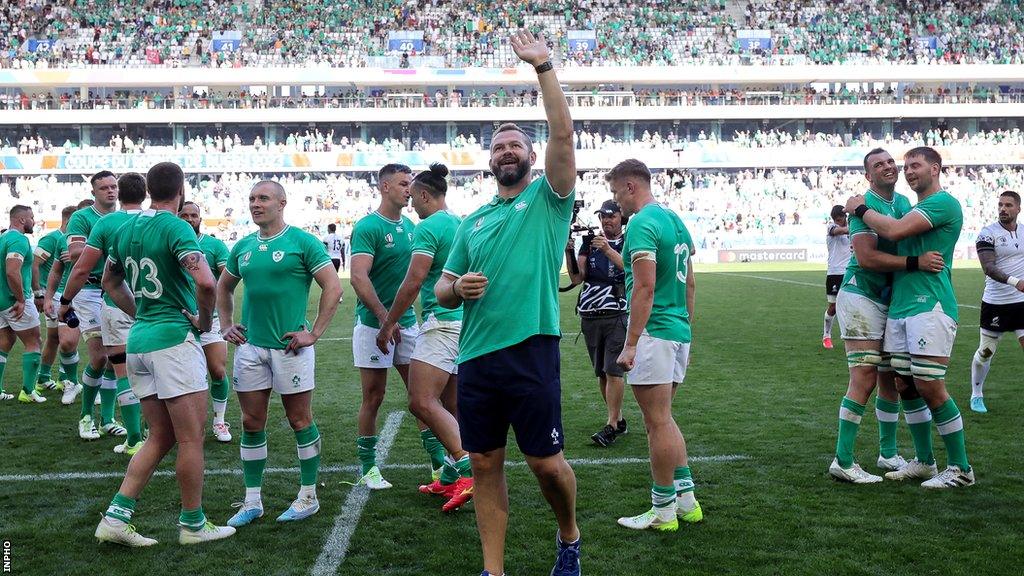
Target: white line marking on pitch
349, 469
338, 339
336, 545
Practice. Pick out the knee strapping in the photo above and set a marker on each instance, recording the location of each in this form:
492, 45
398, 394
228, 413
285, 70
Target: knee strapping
986, 348
864, 358
901, 364
885, 364
927, 370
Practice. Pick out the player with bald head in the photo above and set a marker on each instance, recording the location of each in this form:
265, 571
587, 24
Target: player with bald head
275, 342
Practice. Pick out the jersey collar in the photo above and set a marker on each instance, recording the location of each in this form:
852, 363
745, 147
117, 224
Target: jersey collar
275, 236
389, 220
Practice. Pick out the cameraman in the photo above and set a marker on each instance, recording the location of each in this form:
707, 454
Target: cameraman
602, 309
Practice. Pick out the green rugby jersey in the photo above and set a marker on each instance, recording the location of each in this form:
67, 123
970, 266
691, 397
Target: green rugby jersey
276, 273
919, 291
433, 237
150, 246
79, 227
104, 234
389, 242
216, 252
62, 249
877, 286
13, 244
658, 231
48, 250
518, 243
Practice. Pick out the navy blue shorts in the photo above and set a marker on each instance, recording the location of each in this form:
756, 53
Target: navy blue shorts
518, 386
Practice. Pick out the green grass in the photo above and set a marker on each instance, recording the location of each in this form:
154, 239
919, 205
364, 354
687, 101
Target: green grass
759, 385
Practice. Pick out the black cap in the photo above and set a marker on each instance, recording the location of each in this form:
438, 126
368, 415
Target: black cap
608, 208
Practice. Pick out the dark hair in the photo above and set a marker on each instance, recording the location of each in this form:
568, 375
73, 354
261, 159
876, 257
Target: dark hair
67, 212
512, 127
630, 167
17, 209
433, 180
927, 152
390, 169
101, 175
86, 203
183, 204
332, 228
166, 180
131, 188
838, 211
872, 153
1011, 194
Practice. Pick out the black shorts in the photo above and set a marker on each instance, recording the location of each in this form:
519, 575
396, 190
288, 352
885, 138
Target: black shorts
605, 337
1002, 317
519, 386
832, 284
337, 263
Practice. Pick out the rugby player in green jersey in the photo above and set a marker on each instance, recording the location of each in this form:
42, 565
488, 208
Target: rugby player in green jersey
214, 346
156, 274
43, 257
114, 323
923, 314
504, 265
19, 318
863, 307
275, 353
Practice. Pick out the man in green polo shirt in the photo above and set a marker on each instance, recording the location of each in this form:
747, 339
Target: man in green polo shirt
433, 369
171, 296
114, 323
923, 314
504, 266
275, 342
660, 290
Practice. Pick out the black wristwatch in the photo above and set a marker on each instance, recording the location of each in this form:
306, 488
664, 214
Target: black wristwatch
544, 67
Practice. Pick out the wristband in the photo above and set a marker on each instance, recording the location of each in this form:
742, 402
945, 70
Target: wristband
64, 301
861, 210
1012, 281
912, 263
544, 67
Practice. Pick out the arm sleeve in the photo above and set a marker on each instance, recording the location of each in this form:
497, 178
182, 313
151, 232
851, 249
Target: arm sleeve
939, 209
363, 240
857, 226
221, 254
76, 227
314, 255
561, 207
424, 240
641, 240
182, 240
232, 262
458, 258
986, 241
97, 236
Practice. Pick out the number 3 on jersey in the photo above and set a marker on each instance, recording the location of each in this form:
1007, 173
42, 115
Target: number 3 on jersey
152, 289
682, 256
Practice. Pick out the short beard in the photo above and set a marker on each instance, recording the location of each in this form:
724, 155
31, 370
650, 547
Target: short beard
511, 179
26, 229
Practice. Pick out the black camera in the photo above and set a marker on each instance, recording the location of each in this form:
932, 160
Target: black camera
71, 319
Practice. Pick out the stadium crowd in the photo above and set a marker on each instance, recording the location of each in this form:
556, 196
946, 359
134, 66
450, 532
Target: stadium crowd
355, 33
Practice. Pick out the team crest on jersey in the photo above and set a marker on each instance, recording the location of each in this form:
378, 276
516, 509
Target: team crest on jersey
398, 228
520, 206
278, 255
263, 247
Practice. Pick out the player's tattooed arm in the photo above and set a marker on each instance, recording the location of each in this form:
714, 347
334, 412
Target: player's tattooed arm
988, 264
190, 262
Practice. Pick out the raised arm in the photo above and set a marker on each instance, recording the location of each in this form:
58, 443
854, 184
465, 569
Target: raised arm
912, 223
559, 157
869, 257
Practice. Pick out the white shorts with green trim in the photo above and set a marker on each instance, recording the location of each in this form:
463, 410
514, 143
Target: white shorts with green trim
89, 308
29, 317
860, 317
438, 344
365, 353
170, 372
257, 368
658, 362
926, 334
213, 336
114, 326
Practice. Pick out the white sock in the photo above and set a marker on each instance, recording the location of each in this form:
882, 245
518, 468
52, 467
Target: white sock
307, 492
828, 324
253, 496
979, 371
667, 513
219, 408
686, 501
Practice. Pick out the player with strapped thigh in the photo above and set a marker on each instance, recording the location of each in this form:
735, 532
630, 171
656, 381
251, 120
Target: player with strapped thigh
68, 337
504, 267
660, 290
381, 251
171, 298
275, 345
98, 378
214, 347
838, 243
433, 369
921, 326
114, 323
19, 318
44, 255
862, 308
